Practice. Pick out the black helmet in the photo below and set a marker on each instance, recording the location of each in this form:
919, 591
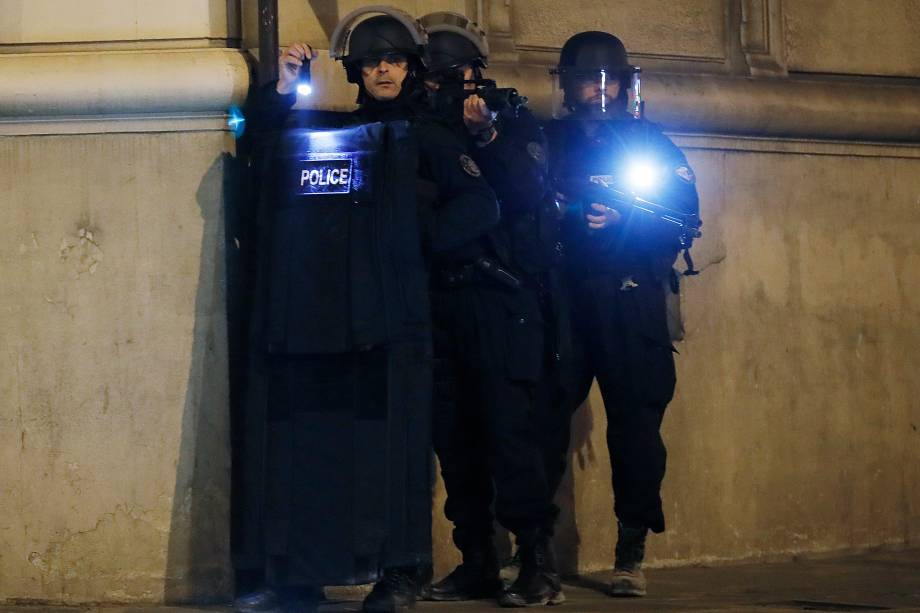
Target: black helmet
454, 41
595, 56
393, 31
379, 35
594, 51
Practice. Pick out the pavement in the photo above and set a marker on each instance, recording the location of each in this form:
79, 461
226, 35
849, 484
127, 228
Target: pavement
875, 581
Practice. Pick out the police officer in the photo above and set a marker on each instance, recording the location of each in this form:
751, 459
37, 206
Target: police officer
617, 265
490, 336
345, 329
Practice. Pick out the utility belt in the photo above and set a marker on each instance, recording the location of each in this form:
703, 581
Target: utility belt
484, 271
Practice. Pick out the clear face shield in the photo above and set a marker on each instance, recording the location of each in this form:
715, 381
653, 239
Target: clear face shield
596, 94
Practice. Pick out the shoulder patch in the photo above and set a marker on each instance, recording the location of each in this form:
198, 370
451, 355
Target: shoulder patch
535, 150
685, 174
602, 180
469, 166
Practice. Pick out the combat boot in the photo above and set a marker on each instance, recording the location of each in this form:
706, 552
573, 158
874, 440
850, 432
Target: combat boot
628, 578
262, 600
538, 582
397, 590
476, 578
281, 600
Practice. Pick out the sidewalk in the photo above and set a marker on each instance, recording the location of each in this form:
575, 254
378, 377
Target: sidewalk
879, 581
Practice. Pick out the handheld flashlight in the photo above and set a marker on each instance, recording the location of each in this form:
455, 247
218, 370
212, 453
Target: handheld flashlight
304, 88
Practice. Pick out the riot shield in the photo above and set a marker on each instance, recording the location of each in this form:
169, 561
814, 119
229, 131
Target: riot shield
344, 243
340, 474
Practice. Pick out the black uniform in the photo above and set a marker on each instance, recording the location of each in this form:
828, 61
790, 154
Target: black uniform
490, 349
616, 278
343, 324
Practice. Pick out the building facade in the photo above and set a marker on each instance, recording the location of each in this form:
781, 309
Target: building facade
796, 424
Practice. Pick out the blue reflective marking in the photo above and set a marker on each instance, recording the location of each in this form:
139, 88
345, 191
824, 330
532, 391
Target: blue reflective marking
236, 121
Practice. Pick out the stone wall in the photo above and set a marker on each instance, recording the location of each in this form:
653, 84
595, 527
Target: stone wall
116, 176
114, 379
796, 425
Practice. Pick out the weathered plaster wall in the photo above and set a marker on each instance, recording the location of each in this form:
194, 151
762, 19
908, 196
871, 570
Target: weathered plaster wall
114, 382
95, 22
114, 429
859, 37
795, 426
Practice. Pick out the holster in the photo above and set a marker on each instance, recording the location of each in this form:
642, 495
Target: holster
484, 270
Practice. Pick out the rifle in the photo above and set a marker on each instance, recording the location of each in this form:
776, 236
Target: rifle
499, 98
685, 226
451, 95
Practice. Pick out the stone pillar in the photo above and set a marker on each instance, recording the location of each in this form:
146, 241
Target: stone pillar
114, 423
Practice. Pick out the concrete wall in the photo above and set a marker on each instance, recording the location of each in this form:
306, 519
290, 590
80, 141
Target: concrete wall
102, 23
114, 379
796, 426
114, 429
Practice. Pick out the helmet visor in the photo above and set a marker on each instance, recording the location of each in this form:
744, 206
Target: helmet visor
454, 39
589, 94
340, 41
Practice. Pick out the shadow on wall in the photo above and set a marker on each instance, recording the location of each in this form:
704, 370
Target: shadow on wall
581, 452
198, 558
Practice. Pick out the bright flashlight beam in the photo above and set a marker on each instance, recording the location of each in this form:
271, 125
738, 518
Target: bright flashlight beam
642, 176
304, 89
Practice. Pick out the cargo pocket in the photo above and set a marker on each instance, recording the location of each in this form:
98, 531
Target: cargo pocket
654, 373
658, 376
525, 336
649, 304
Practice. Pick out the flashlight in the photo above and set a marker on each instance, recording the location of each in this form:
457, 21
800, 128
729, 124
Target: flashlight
642, 176
304, 88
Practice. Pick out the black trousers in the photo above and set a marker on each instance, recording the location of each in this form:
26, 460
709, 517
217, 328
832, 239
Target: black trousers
489, 355
620, 338
348, 465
